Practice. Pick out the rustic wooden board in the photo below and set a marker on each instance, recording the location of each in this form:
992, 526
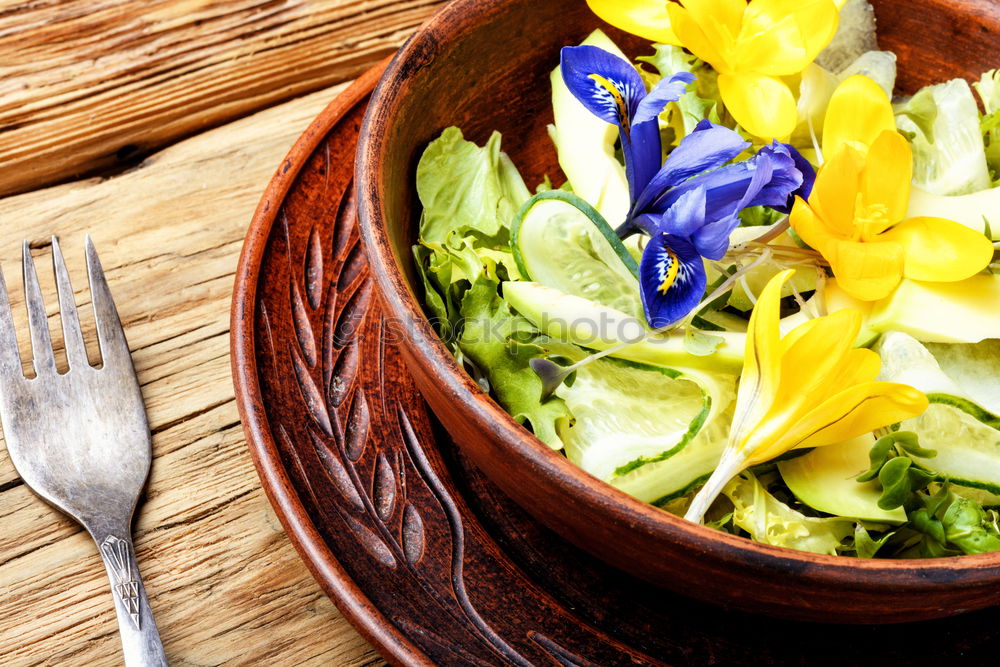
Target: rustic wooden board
226, 585
91, 84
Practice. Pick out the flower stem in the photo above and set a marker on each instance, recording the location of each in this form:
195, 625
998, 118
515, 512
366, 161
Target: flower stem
730, 465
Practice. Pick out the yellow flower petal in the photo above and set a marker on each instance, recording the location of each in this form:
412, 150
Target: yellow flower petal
762, 360
802, 370
809, 226
857, 410
815, 23
805, 375
859, 112
709, 41
835, 192
885, 184
818, 20
769, 46
762, 105
866, 271
857, 366
940, 250
727, 13
647, 18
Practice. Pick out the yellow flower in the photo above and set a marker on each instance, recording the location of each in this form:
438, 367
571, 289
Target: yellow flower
751, 46
855, 216
807, 389
647, 19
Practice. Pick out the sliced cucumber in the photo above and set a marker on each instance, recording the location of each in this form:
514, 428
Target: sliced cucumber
974, 368
824, 480
682, 472
628, 415
591, 325
561, 241
965, 435
968, 449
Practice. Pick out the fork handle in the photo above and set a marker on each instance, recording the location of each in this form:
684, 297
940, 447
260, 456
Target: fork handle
140, 638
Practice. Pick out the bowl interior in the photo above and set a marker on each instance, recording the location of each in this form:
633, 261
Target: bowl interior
484, 66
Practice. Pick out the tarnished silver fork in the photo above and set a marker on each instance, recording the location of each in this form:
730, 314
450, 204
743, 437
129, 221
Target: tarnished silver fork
80, 439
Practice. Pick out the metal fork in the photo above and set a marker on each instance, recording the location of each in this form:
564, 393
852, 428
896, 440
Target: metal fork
80, 439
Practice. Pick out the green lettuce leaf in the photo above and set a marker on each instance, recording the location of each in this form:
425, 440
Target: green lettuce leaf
943, 127
771, 521
702, 96
500, 344
988, 88
951, 524
468, 190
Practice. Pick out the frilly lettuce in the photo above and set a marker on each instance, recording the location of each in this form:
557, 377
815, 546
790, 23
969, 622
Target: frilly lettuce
470, 195
771, 521
499, 343
942, 125
701, 101
988, 88
466, 189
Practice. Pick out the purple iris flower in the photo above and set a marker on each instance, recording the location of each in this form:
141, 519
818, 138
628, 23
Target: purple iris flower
689, 204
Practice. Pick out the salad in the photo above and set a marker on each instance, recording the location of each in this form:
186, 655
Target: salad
766, 294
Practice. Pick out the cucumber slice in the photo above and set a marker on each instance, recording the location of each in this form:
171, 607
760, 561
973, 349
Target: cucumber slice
628, 415
968, 449
594, 326
824, 480
561, 241
685, 470
965, 435
974, 368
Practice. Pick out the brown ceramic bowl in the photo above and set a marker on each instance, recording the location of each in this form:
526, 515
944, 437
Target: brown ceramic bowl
483, 65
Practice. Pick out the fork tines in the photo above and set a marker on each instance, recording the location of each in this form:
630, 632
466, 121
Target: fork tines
113, 346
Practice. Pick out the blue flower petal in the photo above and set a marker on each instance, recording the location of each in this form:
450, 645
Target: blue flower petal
647, 223
786, 178
725, 188
665, 92
709, 146
642, 156
672, 279
712, 239
608, 86
795, 187
686, 216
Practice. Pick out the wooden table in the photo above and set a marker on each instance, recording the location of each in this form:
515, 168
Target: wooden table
154, 125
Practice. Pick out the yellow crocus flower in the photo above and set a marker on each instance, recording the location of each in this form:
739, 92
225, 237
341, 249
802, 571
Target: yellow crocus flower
645, 18
807, 389
856, 214
752, 46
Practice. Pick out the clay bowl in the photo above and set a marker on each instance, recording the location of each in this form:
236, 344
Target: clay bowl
483, 65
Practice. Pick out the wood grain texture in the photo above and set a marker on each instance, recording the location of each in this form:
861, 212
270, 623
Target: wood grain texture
226, 585
91, 84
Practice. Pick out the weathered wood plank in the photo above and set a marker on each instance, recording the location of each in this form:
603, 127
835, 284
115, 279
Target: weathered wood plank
226, 585
90, 84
